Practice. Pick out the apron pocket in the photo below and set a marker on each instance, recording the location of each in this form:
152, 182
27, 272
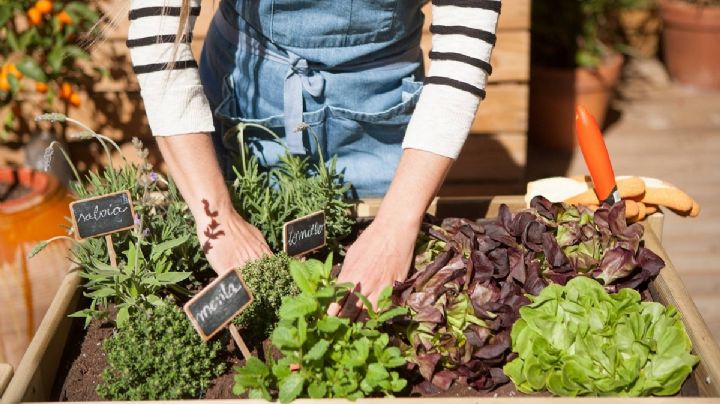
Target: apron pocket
368, 144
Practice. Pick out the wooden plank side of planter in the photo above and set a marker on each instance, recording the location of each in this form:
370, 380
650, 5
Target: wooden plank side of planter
668, 289
36, 372
6, 373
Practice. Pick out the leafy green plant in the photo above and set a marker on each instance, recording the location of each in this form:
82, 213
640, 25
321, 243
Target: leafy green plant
270, 197
155, 258
158, 355
39, 53
322, 355
579, 340
471, 278
270, 281
571, 33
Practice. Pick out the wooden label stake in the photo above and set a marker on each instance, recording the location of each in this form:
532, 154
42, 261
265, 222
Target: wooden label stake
239, 341
111, 250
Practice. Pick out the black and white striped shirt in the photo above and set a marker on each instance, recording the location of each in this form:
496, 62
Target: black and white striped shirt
463, 36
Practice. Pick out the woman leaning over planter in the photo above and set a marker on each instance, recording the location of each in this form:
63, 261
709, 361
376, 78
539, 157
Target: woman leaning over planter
349, 73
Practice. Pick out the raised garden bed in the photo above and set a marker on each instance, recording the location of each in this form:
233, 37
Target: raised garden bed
36, 374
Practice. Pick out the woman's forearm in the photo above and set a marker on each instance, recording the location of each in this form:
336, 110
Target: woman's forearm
227, 240
416, 182
193, 166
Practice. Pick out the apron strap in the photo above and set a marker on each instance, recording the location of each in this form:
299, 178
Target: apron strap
299, 78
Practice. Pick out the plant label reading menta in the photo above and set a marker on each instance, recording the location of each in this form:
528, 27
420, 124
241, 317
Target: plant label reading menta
103, 215
304, 234
218, 304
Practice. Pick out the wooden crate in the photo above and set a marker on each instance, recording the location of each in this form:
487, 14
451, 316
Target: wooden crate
36, 373
6, 373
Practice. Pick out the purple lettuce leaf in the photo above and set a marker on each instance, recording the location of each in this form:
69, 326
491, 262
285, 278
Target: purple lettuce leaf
616, 263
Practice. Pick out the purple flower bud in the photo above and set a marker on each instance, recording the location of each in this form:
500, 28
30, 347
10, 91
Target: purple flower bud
136, 219
153, 176
146, 232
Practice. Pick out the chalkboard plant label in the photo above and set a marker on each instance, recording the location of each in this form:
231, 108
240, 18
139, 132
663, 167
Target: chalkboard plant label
104, 214
218, 304
305, 234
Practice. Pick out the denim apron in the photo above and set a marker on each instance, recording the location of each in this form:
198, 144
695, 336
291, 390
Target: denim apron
349, 71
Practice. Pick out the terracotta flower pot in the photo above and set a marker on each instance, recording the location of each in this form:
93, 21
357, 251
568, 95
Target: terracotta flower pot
554, 92
691, 43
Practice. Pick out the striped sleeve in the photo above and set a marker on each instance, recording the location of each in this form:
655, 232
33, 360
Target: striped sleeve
174, 99
463, 37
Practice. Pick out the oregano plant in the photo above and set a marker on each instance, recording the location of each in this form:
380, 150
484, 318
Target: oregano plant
158, 355
323, 355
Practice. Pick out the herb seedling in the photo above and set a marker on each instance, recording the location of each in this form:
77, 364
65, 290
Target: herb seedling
325, 356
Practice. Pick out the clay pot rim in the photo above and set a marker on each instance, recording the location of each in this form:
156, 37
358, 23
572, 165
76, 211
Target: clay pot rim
679, 13
40, 184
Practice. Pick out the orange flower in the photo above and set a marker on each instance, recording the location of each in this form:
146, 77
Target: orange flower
34, 16
10, 68
4, 83
41, 87
64, 18
75, 99
66, 91
44, 6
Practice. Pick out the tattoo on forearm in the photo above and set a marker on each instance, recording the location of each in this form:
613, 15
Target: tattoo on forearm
211, 231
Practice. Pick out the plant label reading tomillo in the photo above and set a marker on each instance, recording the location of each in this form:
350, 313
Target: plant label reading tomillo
218, 304
304, 234
103, 214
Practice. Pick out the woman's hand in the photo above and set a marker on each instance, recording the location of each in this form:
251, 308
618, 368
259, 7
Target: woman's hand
229, 241
380, 257
383, 252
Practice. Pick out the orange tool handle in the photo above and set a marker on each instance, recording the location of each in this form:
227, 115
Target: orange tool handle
595, 153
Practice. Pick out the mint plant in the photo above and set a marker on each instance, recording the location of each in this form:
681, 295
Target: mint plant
322, 355
158, 356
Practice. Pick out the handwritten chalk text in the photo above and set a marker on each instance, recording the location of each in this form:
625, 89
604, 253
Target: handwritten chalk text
226, 294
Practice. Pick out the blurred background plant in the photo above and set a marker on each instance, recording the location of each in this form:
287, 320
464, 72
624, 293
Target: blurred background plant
639, 27
571, 33
41, 45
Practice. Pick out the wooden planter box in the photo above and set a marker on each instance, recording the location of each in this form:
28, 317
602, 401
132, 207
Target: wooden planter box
6, 372
35, 375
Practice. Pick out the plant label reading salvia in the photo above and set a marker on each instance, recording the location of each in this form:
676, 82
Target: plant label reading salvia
305, 234
103, 215
218, 304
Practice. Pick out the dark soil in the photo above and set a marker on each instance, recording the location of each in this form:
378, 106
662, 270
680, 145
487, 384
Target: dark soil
82, 363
